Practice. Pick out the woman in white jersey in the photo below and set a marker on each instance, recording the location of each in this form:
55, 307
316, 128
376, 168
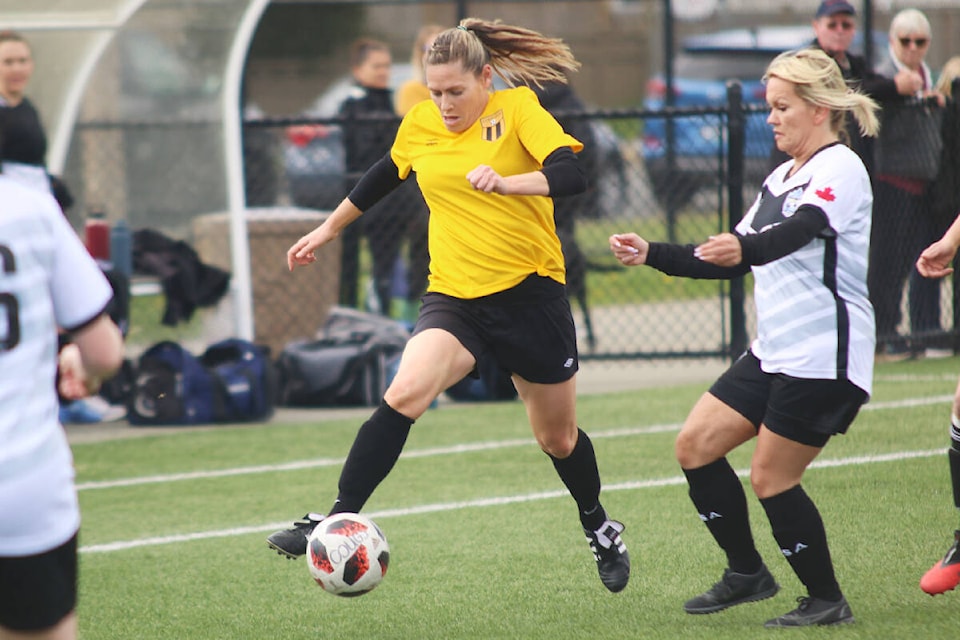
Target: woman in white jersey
48, 281
804, 378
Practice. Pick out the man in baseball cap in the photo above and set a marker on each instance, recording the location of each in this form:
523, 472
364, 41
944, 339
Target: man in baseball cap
833, 7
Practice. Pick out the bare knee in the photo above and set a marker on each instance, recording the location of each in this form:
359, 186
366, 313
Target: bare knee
559, 444
690, 450
767, 482
408, 399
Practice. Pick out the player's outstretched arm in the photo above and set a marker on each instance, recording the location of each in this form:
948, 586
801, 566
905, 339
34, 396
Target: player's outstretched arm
630, 249
302, 251
934, 261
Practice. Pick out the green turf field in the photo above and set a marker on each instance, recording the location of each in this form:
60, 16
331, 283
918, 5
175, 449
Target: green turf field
485, 541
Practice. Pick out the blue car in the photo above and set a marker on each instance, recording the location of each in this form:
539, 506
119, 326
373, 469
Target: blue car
701, 71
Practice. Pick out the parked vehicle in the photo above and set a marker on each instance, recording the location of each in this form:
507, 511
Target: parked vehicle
313, 154
701, 71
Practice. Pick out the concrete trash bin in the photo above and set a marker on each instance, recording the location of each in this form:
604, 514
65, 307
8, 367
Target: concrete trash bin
286, 306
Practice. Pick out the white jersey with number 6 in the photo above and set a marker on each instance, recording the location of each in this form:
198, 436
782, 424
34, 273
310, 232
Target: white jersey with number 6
47, 280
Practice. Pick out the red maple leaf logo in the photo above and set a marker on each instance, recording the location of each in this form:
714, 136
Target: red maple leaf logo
826, 194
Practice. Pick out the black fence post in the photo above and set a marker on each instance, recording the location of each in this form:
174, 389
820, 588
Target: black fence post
670, 203
736, 147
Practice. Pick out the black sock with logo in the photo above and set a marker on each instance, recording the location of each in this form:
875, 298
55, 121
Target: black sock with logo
798, 529
718, 495
582, 478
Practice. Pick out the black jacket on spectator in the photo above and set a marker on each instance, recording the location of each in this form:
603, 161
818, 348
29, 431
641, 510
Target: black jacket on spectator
365, 142
369, 129
859, 75
561, 101
945, 190
24, 140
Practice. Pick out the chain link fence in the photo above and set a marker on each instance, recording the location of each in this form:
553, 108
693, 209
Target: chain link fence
650, 172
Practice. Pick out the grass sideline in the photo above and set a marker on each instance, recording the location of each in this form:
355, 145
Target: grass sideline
484, 540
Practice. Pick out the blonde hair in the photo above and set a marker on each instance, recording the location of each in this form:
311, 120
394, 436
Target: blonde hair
950, 72
818, 81
426, 33
518, 55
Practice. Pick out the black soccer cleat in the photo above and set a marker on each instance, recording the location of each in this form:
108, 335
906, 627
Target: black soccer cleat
610, 552
814, 611
292, 542
734, 589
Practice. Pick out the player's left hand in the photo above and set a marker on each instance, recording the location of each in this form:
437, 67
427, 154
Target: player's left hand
723, 250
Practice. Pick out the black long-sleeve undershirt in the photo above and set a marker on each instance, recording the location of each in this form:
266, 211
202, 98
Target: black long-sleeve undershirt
565, 177
771, 244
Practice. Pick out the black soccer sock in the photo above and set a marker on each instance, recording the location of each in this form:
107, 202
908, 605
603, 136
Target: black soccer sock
582, 478
718, 495
374, 452
798, 529
953, 453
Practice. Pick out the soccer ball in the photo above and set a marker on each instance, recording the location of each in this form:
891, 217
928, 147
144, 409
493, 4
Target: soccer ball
347, 554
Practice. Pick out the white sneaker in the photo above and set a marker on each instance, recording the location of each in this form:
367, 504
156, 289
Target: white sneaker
98, 405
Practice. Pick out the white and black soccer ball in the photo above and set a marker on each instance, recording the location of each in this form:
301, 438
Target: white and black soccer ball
347, 554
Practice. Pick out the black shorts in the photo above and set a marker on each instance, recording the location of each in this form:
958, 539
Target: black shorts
807, 411
38, 591
528, 329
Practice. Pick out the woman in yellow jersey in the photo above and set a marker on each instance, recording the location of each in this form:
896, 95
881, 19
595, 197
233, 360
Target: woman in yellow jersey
488, 164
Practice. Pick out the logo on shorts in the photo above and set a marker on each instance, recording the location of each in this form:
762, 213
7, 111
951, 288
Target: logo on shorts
568, 363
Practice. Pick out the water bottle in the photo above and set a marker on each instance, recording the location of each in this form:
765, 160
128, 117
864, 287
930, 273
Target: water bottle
97, 235
121, 247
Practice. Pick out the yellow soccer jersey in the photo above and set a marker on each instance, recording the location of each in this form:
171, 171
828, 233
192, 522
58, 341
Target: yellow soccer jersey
482, 243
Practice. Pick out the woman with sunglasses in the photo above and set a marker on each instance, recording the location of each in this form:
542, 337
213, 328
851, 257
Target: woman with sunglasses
908, 151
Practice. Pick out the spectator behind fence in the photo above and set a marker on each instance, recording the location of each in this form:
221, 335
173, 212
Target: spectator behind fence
806, 375
368, 130
945, 191
488, 163
50, 282
560, 100
24, 139
908, 155
415, 89
834, 27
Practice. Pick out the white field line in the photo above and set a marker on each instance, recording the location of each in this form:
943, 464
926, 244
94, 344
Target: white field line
481, 502
486, 502
317, 463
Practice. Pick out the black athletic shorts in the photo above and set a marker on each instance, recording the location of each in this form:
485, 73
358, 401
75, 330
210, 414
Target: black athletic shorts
807, 411
528, 329
38, 591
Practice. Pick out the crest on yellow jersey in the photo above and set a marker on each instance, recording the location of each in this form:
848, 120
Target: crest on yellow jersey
491, 127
